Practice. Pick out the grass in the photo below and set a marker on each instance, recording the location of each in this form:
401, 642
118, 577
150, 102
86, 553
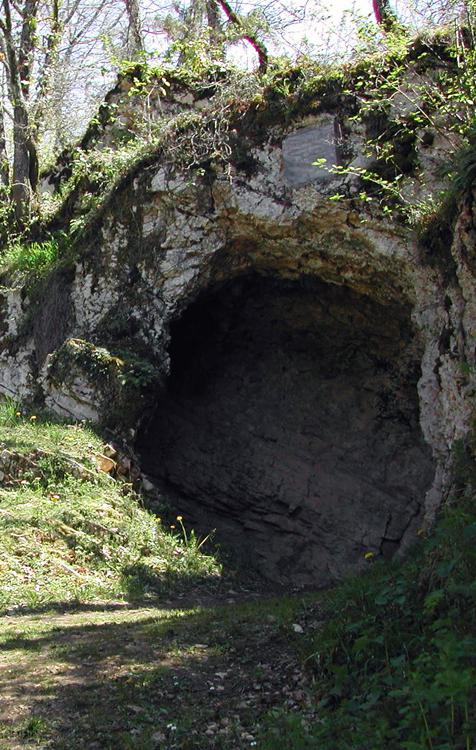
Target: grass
149, 677
156, 651
32, 259
66, 538
395, 662
159, 653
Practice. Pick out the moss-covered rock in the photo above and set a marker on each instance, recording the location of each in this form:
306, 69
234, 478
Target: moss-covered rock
88, 382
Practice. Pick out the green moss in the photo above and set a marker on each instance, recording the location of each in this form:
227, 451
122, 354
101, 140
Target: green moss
122, 381
94, 361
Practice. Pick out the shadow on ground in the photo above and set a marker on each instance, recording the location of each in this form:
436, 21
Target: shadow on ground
148, 678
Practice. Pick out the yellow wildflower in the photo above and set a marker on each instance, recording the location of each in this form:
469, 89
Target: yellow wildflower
369, 555
179, 518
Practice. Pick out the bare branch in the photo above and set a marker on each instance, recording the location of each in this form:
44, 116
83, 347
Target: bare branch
255, 43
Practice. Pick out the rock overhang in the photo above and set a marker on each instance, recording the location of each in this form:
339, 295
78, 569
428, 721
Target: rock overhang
167, 237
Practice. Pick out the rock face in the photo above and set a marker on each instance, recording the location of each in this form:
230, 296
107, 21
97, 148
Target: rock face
293, 371
292, 416
299, 153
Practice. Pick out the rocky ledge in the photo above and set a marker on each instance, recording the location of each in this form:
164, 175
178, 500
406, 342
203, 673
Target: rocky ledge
293, 370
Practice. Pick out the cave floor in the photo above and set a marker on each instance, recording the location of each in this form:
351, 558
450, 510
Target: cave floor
185, 673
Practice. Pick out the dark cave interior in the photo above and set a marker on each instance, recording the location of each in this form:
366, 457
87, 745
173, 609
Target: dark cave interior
290, 425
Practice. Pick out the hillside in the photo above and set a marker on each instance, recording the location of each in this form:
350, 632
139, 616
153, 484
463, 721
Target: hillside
237, 426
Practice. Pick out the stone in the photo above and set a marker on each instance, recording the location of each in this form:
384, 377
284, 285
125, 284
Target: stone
94, 382
159, 181
109, 451
124, 465
147, 485
105, 464
303, 147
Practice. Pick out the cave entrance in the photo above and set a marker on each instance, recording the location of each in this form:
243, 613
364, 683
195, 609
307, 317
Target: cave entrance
290, 424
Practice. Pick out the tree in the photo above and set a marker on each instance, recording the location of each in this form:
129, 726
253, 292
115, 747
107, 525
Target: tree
134, 41
17, 54
213, 24
4, 164
244, 33
41, 42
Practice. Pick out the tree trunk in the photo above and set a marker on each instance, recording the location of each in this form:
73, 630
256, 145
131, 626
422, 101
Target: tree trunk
19, 60
46, 73
384, 15
21, 186
213, 21
27, 44
258, 46
135, 43
4, 166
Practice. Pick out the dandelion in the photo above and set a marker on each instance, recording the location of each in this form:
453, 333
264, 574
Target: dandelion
33, 418
158, 519
18, 414
172, 526
55, 498
369, 555
184, 531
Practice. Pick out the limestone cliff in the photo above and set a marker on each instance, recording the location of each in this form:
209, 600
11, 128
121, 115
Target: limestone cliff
291, 368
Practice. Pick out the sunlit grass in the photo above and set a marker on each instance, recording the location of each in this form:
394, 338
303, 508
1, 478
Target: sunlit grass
67, 539
33, 258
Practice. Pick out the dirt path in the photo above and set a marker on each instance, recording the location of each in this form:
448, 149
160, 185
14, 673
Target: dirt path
183, 675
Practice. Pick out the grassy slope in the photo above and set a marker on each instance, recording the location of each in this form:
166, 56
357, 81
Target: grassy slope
385, 661
64, 538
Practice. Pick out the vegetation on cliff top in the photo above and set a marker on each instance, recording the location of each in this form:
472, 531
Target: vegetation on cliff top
41, 40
